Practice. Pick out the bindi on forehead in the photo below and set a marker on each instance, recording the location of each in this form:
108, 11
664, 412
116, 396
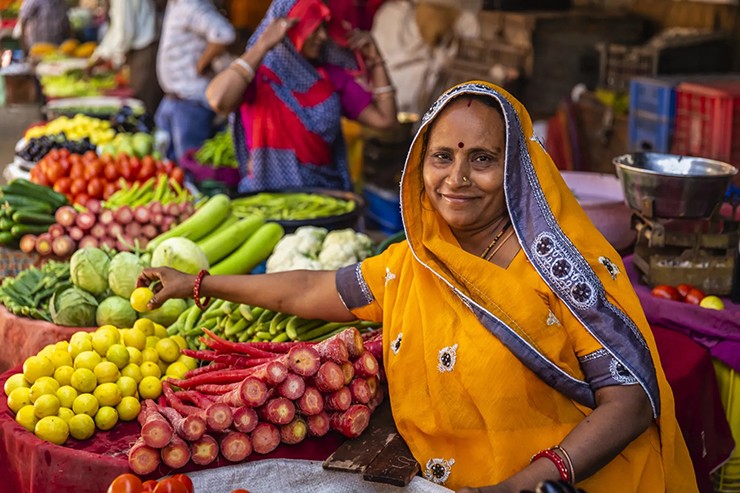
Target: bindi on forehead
460, 145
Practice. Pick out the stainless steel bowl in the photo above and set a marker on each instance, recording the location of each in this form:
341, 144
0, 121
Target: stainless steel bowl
670, 186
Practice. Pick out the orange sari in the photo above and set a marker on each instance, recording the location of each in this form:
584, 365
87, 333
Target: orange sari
484, 364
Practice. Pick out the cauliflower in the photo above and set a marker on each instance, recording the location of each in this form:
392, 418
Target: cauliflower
344, 247
314, 249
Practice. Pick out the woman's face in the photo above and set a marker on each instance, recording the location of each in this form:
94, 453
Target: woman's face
312, 46
463, 167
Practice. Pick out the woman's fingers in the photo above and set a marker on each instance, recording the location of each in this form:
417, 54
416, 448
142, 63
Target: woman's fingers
147, 277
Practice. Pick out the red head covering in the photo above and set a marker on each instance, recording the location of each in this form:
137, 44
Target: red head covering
310, 14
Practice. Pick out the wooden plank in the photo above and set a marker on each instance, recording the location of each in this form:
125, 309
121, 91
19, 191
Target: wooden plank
394, 465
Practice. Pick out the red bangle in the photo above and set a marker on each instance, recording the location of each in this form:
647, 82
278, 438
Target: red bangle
559, 462
196, 290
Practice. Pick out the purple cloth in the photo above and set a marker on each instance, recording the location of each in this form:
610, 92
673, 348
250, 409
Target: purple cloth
716, 330
352, 96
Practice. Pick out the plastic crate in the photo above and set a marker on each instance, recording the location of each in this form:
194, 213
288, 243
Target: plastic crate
708, 120
382, 209
653, 97
646, 134
727, 479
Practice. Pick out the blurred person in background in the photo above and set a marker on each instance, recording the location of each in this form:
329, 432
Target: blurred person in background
194, 36
43, 21
131, 39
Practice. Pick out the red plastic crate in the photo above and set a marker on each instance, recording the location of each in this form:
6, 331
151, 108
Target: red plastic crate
708, 120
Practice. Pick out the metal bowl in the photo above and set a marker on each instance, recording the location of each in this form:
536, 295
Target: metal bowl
671, 186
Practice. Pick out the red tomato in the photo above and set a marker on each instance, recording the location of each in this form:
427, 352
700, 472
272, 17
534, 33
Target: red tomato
53, 154
185, 480
81, 199
89, 156
64, 152
109, 189
240, 490
666, 292
95, 188
125, 483
110, 172
170, 485
54, 171
66, 164
93, 169
77, 171
683, 289
125, 169
167, 166
135, 165
107, 158
78, 186
147, 171
37, 176
694, 296
63, 184
148, 160
149, 486
178, 174
75, 158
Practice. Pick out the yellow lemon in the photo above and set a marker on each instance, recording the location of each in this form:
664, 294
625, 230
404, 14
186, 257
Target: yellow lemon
134, 355
36, 367
149, 354
150, 387
81, 427
84, 380
139, 299
63, 375
160, 330
66, 396
46, 351
145, 325
151, 341
41, 388
128, 409
127, 385
133, 371
189, 362
46, 405
61, 346
52, 429
168, 350
19, 398
118, 354
26, 417
150, 369
50, 380
107, 394
15, 381
66, 414
106, 371
80, 346
85, 404
106, 418
103, 339
180, 340
162, 367
87, 359
135, 338
60, 357
111, 328
177, 370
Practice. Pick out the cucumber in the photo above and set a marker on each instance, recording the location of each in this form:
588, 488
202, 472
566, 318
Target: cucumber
253, 251
200, 224
6, 224
6, 238
21, 186
26, 217
19, 202
230, 220
219, 245
22, 229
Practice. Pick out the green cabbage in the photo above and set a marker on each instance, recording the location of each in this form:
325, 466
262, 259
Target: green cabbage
123, 271
88, 269
115, 311
181, 254
168, 312
73, 307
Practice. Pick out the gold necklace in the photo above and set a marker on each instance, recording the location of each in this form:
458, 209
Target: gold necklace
495, 239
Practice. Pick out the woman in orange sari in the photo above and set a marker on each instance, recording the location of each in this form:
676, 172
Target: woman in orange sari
515, 348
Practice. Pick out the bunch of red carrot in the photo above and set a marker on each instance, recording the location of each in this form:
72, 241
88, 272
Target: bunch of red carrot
255, 395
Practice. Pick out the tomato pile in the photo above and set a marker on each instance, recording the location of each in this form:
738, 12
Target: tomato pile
179, 483
81, 177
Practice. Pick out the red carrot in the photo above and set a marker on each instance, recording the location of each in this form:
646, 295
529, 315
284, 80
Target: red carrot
190, 427
339, 400
293, 387
203, 369
366, 365
235, 446
216, 389
333, 349
265, 438
279, 411
294, 432
252, 392
201, 354
272, 372
303, 360
330, 377
245, 419
239, 361
176, 454
220, 377
318, 424
311, 402
353, 340
375, 348
155, 429
352, 422
143, 459
373, 384
218, 415
204, 450
249, 348
376, 399
196, 398
360, 391
349, 372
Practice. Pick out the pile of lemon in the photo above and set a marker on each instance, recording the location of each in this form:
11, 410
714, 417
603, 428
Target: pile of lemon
94, 380
76, 128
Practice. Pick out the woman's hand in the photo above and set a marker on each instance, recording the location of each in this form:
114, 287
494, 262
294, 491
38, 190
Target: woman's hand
166, 283
276, 31
363, 42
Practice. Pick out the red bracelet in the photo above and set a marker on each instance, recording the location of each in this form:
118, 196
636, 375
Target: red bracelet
559, 462
196, 290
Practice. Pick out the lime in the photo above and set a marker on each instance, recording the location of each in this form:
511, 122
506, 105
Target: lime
160, 330
46, 405
87, 359
15, 381
150, 369
60, 357
63, 374
84, 380
85, 404
106, 418
134, 355
168, 350
103, 339
150, 354
66, 395
128, 409
118, 354
133, 371
81, 427
41, 388
36, 367
52, 429
66, 414
61, 346
127, 385
177, 370
81, 345
151, 341
146, 326
107, 394
26, 417
19, 398
106, 372
135, 338
150, 387
139, 299
189, 362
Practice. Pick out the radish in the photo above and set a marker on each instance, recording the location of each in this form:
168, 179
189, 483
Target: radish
56, 230
28, 243
63, 246
88, 242
85, 220
65, 215
235, 446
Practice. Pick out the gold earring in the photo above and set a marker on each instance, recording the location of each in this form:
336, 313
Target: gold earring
465, 179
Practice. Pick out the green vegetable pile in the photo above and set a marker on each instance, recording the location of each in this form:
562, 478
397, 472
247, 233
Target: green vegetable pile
217, 152
28, 293
290, 206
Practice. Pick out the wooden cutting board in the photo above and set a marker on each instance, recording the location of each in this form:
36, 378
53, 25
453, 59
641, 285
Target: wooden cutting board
379, 454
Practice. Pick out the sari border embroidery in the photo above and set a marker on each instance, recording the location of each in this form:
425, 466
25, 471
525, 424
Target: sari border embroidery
447, 357
352, 287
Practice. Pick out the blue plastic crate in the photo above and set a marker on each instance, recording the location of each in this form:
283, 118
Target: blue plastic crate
648, 134
653, 97
382, 209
